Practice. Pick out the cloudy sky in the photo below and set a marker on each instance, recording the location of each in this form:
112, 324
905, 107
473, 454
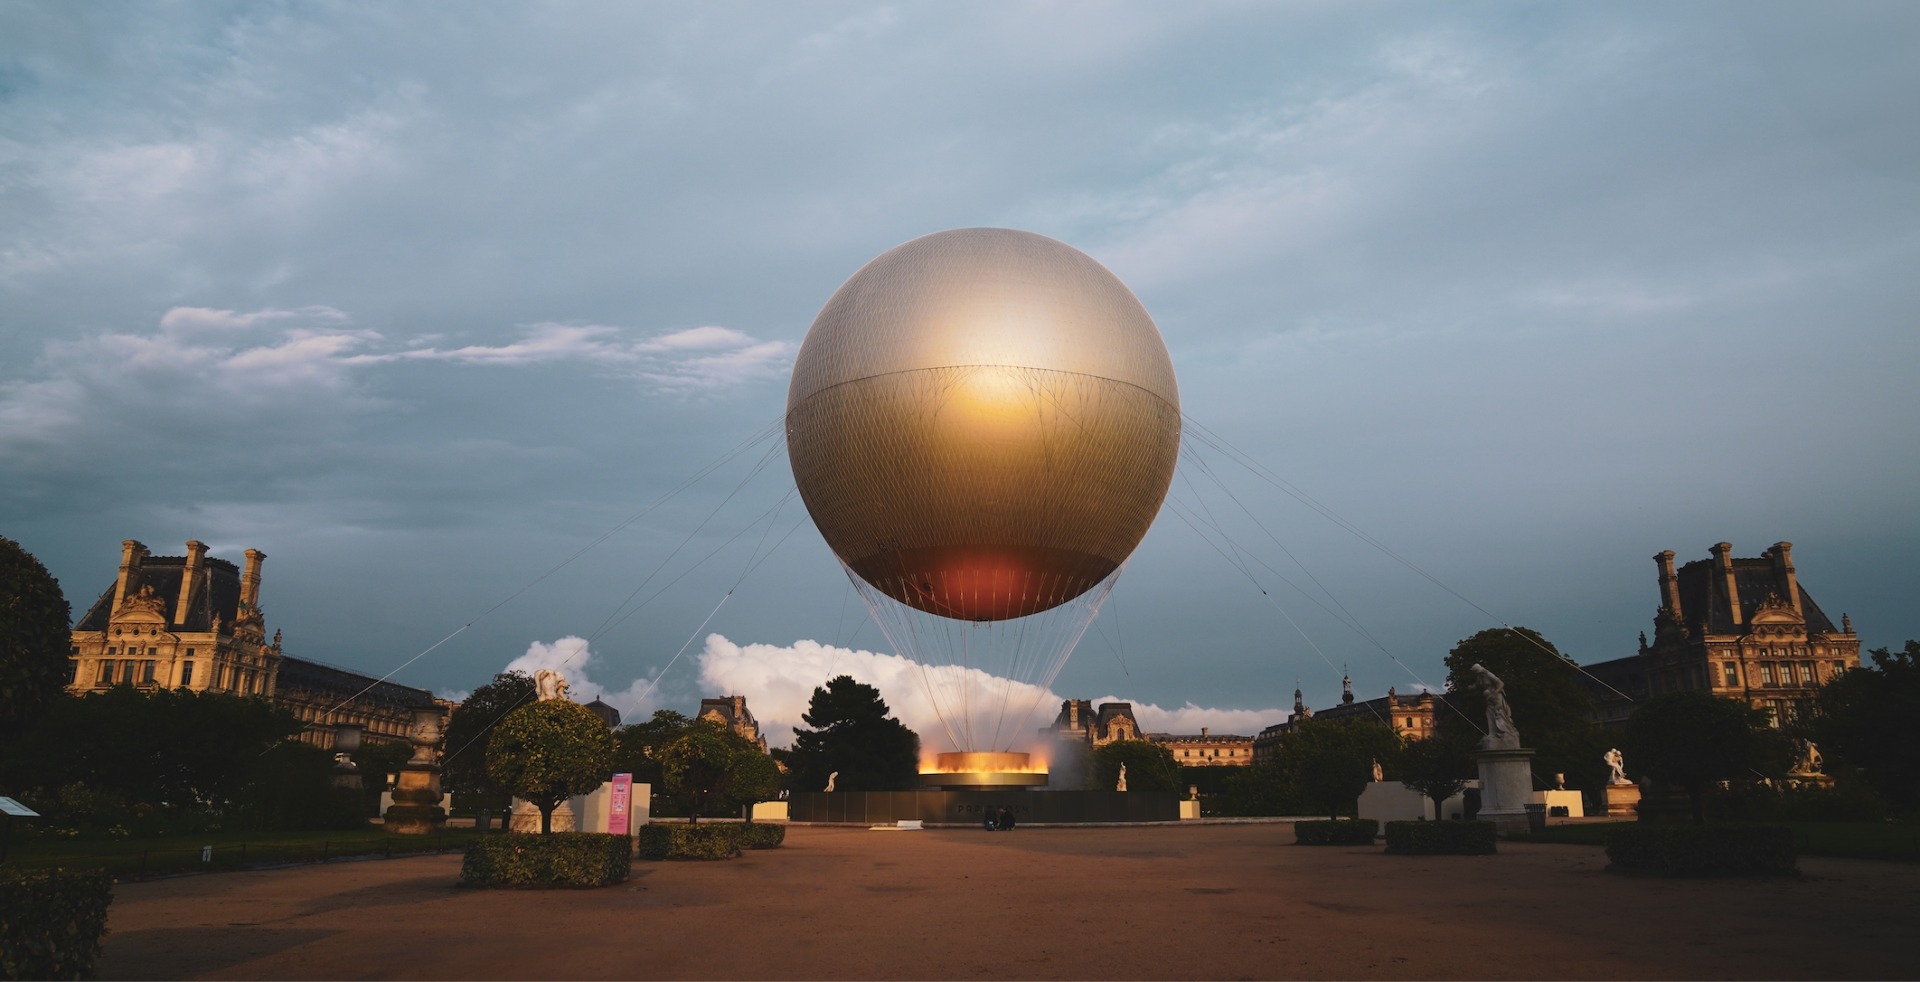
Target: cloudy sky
477, 318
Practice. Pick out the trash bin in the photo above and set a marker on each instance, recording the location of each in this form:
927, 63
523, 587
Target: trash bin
1537, 818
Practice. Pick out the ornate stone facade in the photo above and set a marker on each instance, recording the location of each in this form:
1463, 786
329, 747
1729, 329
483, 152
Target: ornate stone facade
731, 712
1206, 748
1740, 628
1078, 722
195, 622
1410, 716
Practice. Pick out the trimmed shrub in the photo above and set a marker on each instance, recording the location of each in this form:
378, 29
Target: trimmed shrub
1345, 832
762, 835
563, 859
1702, 850
51, 922
1449, 838
674, 840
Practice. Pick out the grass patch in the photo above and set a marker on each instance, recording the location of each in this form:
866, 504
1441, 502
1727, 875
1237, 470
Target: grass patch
1895, 841
131, 858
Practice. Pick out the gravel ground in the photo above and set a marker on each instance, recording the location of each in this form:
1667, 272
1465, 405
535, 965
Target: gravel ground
1168, 902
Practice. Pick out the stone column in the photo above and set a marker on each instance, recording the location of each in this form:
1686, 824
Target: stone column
416, 795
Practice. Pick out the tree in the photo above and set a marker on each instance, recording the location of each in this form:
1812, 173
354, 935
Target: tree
547, 752
1437, 767
853, 735
709, 763
1863, 722
1551, 706
1334, 759
637, 746
1693, 739
464, 768
34, 637
168, 752
1150, 766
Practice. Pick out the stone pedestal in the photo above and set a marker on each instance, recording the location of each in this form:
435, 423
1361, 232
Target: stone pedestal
1506, 787
526, 818
1623, 800
416, 794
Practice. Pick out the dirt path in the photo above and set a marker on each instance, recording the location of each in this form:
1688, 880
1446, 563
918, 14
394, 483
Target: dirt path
1169, 902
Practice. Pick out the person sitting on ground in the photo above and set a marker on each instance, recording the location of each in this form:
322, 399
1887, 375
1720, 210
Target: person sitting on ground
990, 817
1006, 819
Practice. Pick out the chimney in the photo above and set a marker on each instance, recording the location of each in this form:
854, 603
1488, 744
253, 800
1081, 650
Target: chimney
1203, 731
1782, 554
250, 580
1723, 561
189, 574
1669, 584
131, 553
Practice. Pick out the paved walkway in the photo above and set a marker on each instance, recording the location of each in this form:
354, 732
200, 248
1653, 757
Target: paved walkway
1216, 901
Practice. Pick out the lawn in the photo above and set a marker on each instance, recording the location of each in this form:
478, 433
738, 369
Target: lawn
1898, 841
134, 858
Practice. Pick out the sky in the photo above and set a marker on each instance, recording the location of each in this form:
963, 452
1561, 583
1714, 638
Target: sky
477, 320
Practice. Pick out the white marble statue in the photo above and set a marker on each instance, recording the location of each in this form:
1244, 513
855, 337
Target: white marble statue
549, 684
1500, 731
1122, 786
1618, 761
1810, 759
835, 776
1378, 775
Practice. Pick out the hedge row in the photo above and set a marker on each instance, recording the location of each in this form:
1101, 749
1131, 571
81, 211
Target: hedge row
51, 922
1697, 850
1343, 832
717, 840
563, 859
1456, 838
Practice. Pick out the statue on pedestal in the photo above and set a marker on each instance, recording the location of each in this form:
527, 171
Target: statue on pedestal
1810, 759
835, 776
1500, 731
1378, 775
1122, 786
1618, 761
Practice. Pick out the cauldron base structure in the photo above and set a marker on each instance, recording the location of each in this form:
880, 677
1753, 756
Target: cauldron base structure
965, 807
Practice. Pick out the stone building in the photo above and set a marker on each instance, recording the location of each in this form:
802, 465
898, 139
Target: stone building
1412, 716
1206, 748
731, 712
1740, 628
195, 622
1079, 722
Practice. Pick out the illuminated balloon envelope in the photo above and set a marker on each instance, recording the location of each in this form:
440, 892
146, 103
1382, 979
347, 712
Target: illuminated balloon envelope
983, 424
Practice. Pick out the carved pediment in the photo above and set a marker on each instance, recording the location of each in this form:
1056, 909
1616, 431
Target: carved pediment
1775, 610
144, 605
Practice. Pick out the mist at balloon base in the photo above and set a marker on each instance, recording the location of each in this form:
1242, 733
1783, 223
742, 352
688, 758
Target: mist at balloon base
984, 679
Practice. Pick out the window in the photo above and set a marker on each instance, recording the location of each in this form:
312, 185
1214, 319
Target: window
151, 652
106, 672
186, 672
1806, 673
73, 670
1766, 674
189, 652
1733, 675
146, 671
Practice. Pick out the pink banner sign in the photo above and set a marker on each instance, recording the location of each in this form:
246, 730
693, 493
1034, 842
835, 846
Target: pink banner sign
618, 809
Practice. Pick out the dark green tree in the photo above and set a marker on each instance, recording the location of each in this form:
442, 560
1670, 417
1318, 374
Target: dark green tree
464, 767
853, 735
167, 750
547, 752
1552, 707
1438, 766
1863, 724
1693, 740
708, 764
637, 746
1150, 766
1333, 759
34, 637
1270, 787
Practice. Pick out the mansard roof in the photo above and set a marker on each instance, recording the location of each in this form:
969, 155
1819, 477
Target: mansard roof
1704, 607
299, 674
216, 594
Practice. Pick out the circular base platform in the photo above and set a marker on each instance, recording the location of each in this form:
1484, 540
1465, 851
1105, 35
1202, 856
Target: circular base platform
979, 771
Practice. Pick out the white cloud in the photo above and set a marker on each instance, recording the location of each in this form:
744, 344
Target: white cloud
183, 319
573, 657
779, 680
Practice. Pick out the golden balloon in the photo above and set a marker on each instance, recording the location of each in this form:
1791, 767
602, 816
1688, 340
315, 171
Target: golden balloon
983, 423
